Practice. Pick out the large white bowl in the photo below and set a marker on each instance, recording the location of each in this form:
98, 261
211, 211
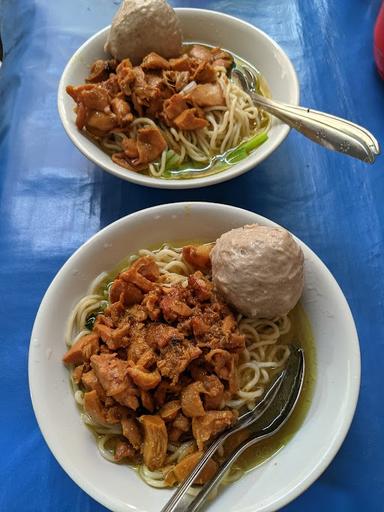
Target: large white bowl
272, 484
203, 26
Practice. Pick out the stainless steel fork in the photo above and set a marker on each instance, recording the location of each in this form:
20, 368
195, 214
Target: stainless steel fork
270, 414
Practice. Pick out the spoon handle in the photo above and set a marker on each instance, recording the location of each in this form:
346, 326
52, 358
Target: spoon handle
327, 130
216, 479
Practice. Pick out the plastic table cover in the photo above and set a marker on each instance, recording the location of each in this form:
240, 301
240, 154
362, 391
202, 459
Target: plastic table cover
53, 199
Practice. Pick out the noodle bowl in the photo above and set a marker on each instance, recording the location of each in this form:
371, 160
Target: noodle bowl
228, 126
263, 355
177, 118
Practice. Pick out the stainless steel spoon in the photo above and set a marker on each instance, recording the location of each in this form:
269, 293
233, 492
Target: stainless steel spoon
268, 417
325, 129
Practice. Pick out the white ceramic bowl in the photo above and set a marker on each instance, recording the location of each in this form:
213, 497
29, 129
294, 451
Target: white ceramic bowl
203, 26
272, 484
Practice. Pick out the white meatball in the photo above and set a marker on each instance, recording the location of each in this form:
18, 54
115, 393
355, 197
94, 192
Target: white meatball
143, 26
259, 270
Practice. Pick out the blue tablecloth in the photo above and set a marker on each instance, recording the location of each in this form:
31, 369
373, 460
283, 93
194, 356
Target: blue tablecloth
53, 199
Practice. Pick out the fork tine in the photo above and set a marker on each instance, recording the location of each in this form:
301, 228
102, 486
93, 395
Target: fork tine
241, 78
253, 77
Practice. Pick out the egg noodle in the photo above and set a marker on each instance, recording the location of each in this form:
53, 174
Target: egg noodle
257, 363
228, 126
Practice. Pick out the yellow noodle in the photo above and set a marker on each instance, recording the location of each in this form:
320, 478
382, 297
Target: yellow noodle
257, 365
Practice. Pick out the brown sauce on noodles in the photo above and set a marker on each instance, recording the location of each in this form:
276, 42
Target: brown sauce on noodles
300, 334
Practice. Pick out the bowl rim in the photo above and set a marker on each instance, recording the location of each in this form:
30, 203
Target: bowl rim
355, 366
141, 179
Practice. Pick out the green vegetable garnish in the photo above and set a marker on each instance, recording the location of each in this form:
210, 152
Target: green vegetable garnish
217, 163
243, 150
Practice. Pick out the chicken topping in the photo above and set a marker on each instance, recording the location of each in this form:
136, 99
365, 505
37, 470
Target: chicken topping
131, 430
184, 468
160, 361
155, 441
174, 91
82, 350
206, 427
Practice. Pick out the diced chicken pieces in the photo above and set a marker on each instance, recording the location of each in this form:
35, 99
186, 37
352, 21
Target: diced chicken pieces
122, 160
176, 359
174, 435
114, 338
160, 335
174, 307
123, 450
190, 120
112, 85
174, 106
132, 431
103, 331
144, 379
115, 413
99, 71
234, 342
150, 144
182, 423
221, 58
201, 287
138, 313
152, 304
113, 376
191, 403
142, 273
111, 372
130, 148
182, 79
183, 63
91, 383
95, 98
186, 465
170, 410
154, 61
128, 396
125, 76
198, 256
229, 324
200, 52
147, 400
100, 123
126, 292
176, 80
81, 116
76, 91
77, 373
204, 73
199, 327
94, 407
213, 392
155, 441
207, 95
82, 350
115, 312
147, 359
160, 394
122, 111
198, 369
224, 366
205, 428
138, 346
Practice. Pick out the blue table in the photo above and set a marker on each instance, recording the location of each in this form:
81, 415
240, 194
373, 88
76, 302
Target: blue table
53, 199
